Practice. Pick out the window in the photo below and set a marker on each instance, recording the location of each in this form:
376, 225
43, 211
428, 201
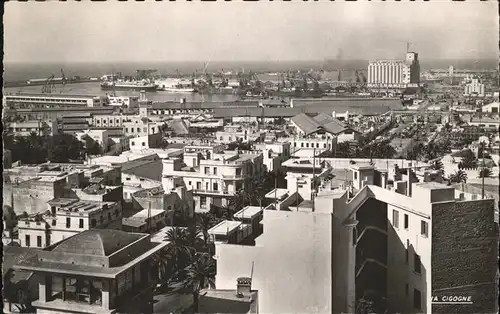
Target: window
416, 261
207, 170
215, 171
53, 210
294, 144
143, 143
57, 287
39, 241
355, 175
126, 130
189, 183
307, 145
216, 187
301, 144
138, 130
238, 171
93, 223
145, 130
198, 185
324, 145
132, 143
406, 252
424, 228
27, 240
406, 221
395, 218
80, 223
68, 222
203, 201
206, 186
417, 299
54, 222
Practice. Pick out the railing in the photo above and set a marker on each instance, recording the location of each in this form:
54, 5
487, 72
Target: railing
369, 260
370, 228
234, 177
218, 192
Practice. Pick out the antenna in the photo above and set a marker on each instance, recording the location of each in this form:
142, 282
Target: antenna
408, 46
149, 217
251, 273
314, 179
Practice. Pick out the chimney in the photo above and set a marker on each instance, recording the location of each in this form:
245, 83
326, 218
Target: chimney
243, 286
409, 180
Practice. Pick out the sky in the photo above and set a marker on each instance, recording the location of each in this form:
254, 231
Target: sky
239, 31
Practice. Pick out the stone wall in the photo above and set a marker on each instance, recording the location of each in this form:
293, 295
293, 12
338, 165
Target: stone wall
464, 255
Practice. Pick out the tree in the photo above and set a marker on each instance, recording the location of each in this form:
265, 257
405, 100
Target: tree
485, 172
92, 147
178, 248
200, 275
437, 165
458, 177
205, 221
64, 147
468, 161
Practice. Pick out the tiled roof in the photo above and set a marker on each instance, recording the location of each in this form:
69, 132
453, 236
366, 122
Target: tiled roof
323, 118
305, 123
99, 242
149, 169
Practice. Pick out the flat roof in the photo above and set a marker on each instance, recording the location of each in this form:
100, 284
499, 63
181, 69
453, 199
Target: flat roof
248, 212
144, 213
278, 193
225, 227
51, 95
228, 295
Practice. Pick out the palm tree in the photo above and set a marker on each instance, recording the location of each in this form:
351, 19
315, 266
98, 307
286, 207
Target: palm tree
160, 262
458, 177
205, 221
437, 165
485, 172
178, 247
201, 275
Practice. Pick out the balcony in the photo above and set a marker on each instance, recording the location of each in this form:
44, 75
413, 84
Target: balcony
212, 192
233, 177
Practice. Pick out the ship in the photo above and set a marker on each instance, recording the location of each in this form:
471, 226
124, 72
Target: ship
179, 89
129, 85
175, 86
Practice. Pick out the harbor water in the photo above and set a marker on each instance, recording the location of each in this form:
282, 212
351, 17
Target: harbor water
94, 89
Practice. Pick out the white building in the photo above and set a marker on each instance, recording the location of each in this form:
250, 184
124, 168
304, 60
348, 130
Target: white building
395, 248
65, 218
20, 101
123, 101
274, 153
213, 174
145, 221
474, 88
491, 108
25, 128
394, 74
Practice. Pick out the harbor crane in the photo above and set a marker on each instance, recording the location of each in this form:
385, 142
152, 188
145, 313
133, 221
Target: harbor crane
63, 81
49, 85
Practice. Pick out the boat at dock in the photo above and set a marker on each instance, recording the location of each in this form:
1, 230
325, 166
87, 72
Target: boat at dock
129, 85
